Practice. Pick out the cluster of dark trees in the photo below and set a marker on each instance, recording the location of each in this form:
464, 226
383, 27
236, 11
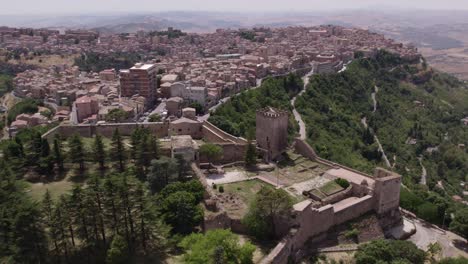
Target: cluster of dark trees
237, 116
27, 106
12, 69
6, 84
96, 62
132, 205
268, 209
334, 105
174, 33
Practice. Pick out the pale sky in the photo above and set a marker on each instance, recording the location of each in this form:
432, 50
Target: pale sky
131, 6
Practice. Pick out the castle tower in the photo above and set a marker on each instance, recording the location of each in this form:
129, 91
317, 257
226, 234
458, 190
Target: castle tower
272, 131
387, 190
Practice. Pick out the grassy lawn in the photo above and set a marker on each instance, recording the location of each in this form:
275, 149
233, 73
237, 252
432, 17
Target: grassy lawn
37, 190
318, 193
296, 168
330, 188
88, 142
246, 190
64, 185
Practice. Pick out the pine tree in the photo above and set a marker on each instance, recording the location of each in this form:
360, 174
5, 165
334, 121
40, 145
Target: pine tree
99, 152
36, 148
48, 209
250, 155
118, 151
77, 152
135, 142
182, 167
66, 208
125, 189
96, 193
111, 203
153, 147
46, 162
143, 156
45, 148
161, 173
76, 205
30, 239
58, 153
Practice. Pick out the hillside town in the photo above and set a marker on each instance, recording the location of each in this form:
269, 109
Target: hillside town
137, 151
187, 69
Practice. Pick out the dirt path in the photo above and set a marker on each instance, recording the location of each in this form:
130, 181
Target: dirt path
384, 156
374, 98
423, 173
297, 116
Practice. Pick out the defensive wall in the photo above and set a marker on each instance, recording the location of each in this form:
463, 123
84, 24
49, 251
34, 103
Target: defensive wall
379, 193
233, 147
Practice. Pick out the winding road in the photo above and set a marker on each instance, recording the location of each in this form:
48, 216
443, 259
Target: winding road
297, 116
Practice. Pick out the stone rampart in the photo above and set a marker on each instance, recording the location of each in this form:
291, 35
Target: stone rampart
106, 130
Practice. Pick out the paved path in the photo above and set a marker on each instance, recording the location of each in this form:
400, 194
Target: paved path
423, 173
297, 116
228, 177
452, 244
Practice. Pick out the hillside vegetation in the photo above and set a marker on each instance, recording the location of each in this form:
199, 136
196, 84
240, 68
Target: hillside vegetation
417, 117
237, 116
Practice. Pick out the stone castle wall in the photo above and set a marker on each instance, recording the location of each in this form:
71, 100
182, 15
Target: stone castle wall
311, 222
106, 130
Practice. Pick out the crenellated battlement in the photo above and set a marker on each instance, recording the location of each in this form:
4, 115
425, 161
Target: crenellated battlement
270, 112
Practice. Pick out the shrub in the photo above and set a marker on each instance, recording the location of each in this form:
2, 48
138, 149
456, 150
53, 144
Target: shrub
221, 189
342, 182
352, 234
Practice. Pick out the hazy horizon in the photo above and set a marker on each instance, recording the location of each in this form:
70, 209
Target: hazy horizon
44, 7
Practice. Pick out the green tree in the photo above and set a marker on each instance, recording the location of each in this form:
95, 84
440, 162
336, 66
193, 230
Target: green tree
99, 152
46, 161
216, 246
199, 109
143, 156
154, 118
58, 153
250, 155
211, 151
118, 251
182, 166
77, 151
181, 211
433, 251
154, 147
161, 173
117, 116
118, 152
30, 240
459, 224
268, 206
389, 251
194, 187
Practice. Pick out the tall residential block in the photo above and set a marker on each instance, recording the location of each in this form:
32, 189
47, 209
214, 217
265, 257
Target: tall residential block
140, 80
